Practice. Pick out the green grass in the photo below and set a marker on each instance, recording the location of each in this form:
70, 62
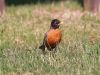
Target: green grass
21, 32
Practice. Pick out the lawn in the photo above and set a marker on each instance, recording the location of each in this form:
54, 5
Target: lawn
22, 30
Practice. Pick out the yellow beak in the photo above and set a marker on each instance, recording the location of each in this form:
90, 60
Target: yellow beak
61, 23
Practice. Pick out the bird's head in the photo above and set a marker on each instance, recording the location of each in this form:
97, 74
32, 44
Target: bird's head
55, 23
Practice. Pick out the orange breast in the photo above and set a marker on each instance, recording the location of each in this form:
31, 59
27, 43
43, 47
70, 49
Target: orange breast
53, 36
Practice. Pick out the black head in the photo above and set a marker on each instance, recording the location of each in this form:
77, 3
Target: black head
55, 23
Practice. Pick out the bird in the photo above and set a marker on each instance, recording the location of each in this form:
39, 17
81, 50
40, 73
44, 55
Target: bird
52, 37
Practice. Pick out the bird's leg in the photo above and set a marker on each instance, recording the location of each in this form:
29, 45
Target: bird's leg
53, 53
55, 50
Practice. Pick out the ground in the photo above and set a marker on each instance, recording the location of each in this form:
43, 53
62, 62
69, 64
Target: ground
22, 30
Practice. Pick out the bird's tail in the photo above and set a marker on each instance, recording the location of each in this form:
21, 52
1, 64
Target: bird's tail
42, 47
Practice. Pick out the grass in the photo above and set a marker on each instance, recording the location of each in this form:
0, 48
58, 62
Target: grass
21, 32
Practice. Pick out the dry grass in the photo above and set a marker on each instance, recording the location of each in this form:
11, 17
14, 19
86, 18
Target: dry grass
21, 32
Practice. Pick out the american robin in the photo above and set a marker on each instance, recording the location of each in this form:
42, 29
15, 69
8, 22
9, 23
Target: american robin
52, 37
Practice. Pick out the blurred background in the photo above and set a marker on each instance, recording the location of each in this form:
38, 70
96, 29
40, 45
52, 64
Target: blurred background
90, 5
18, 2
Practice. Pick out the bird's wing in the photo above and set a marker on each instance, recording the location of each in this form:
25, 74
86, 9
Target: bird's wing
43, 44
45, 38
